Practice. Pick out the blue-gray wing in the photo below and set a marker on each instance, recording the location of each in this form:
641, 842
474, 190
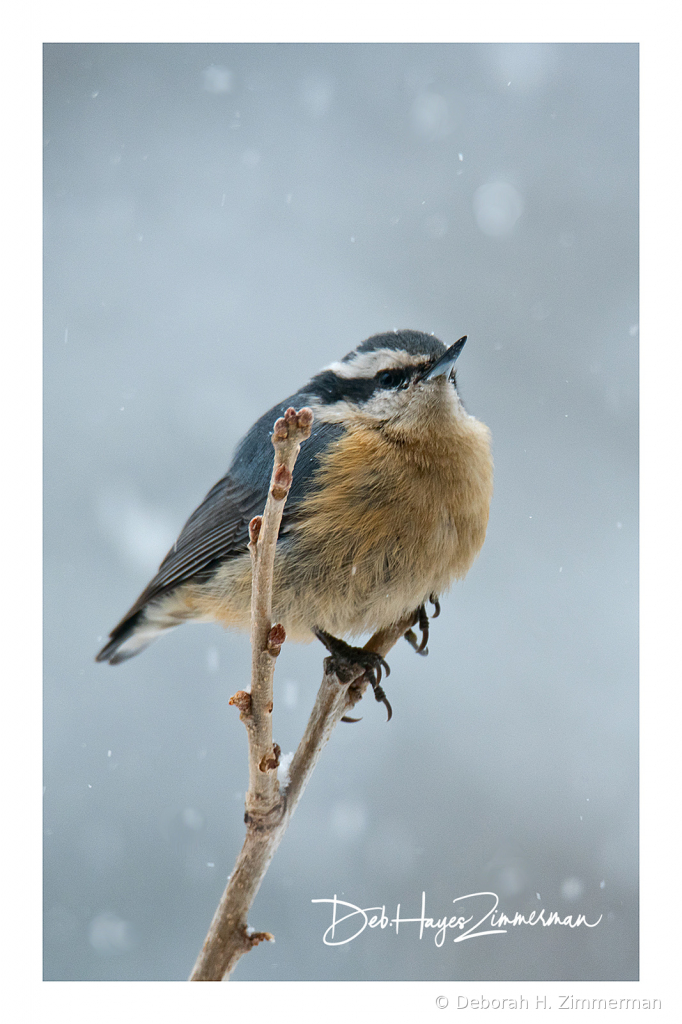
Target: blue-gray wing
219, 528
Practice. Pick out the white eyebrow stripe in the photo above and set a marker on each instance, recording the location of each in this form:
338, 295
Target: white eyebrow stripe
367, 364
338, 412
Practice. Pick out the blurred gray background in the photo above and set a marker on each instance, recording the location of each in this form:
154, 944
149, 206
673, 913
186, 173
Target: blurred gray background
220, 222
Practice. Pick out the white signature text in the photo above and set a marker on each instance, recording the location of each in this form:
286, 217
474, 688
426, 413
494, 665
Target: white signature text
476, 914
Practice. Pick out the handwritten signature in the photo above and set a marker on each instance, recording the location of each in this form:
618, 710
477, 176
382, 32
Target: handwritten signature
486, 920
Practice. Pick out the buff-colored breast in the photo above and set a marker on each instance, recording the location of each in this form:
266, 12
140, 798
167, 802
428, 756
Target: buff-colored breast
389, 521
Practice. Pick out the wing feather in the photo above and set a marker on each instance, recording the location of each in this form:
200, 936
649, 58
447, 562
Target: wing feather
219, 528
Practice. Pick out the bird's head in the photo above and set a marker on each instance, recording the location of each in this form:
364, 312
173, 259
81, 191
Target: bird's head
403, 380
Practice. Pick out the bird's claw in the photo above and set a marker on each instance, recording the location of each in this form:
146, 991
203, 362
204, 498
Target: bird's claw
343, 655
422, 620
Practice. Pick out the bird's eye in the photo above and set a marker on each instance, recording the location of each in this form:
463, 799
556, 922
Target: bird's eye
397, 378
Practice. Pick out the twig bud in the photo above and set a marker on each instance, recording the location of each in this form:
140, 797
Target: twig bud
253, 938
305, 419
280, 431
293, 423
241, 700
282, 483
276, 638
254, 528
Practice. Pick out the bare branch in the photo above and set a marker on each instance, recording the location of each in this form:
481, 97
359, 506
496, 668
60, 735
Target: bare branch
263, 793
269, 809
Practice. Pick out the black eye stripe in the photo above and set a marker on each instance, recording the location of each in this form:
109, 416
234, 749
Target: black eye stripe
330, 388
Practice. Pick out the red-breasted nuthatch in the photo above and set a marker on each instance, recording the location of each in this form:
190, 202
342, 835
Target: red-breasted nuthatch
388, 505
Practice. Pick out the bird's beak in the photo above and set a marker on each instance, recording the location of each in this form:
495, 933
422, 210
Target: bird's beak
446, 361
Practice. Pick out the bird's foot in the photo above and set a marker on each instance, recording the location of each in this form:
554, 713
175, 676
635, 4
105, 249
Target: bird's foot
421, 618
344, 656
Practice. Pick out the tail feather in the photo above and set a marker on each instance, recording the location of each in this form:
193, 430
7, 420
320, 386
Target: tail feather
130, 637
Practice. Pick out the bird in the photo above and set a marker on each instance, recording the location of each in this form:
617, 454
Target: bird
389, 505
